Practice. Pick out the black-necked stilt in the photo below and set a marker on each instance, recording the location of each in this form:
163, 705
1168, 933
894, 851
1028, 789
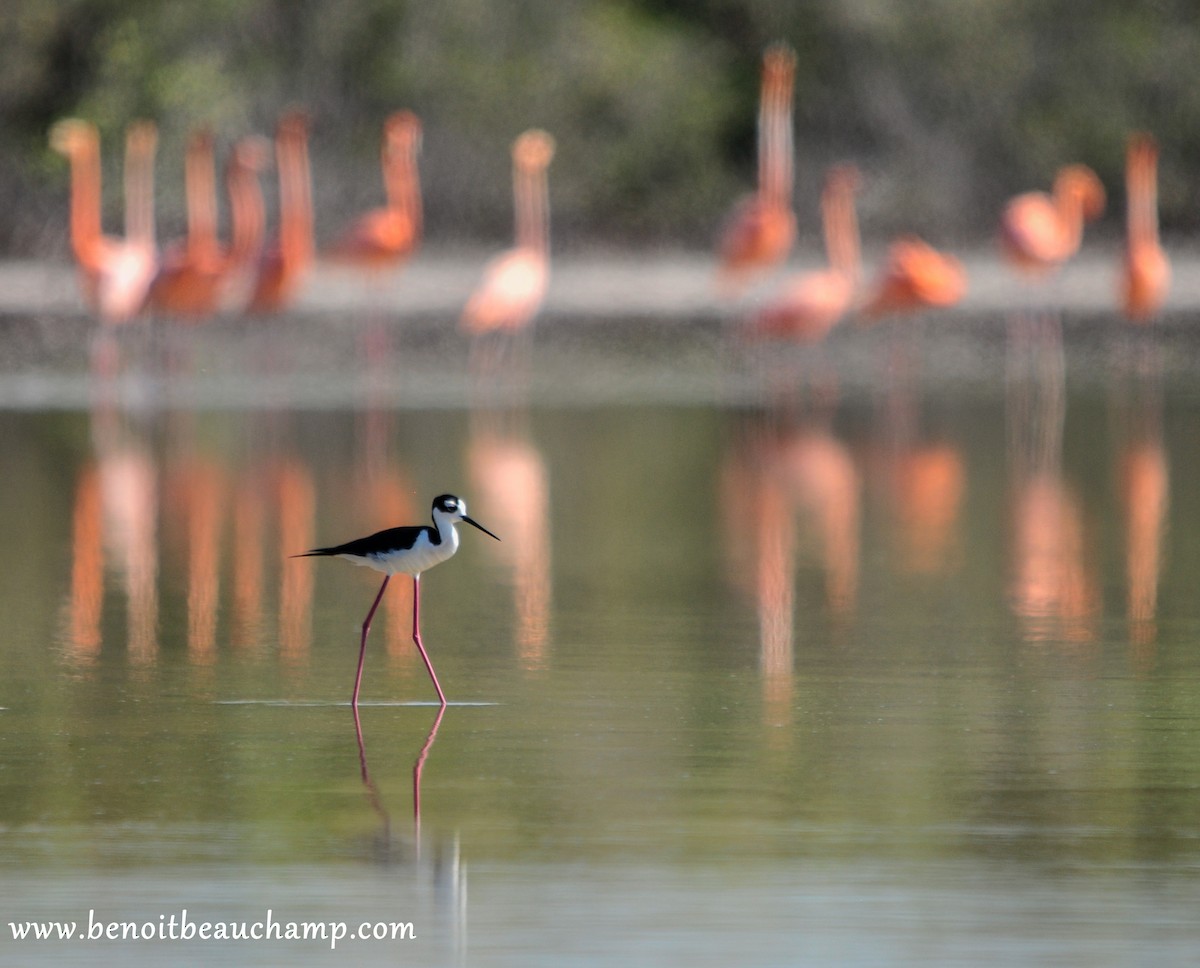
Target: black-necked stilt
407, 551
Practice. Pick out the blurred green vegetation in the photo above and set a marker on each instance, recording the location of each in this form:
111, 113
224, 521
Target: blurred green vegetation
948, 105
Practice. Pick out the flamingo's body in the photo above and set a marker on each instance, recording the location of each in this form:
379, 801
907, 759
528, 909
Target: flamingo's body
514, 282
200, 275
762, 228
285, 262
1039, 232
812, 303
916, 276
116, 272
1146, 274
386, 236
247, 221
187, 279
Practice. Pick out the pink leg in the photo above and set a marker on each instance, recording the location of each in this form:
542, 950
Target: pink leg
362, 650
417, 636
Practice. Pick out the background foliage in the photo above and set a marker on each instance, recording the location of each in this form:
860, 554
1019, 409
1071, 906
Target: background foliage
948, 105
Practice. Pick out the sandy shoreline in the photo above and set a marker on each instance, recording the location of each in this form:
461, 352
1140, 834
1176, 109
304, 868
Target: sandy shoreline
615, 330
653, 284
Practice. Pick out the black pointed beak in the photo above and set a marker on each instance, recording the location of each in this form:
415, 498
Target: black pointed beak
479, 526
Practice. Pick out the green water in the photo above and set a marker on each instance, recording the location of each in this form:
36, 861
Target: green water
897, 669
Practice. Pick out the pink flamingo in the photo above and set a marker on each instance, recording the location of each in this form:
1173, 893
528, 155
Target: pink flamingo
116, 272
514, 282
187, 278
1146, 270
286, 261
386, 236
915, 276
198, 271
762, 228
1039, 232
247, 222
811, 303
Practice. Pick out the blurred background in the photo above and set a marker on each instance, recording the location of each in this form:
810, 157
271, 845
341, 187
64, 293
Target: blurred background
950, 106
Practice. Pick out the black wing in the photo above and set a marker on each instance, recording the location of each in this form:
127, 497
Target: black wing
393, 539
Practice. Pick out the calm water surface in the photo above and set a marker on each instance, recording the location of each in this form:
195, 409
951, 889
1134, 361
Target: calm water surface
887, 654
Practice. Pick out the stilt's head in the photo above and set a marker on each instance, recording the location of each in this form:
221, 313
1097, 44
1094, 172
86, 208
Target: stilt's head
447, 507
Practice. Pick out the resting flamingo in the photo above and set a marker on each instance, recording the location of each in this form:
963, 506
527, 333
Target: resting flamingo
811, 303
1147, 271
116, 272
514, 282
915, 276
762, 227
1039, 232
285, 262
385, 236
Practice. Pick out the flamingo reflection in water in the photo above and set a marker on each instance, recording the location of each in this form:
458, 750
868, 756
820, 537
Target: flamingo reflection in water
272, 496
195, 489
788, 468
507, 469
115, 518
292, 487
922, 478
509, 473
380, 484
1143, 480
249, 511
1053, 592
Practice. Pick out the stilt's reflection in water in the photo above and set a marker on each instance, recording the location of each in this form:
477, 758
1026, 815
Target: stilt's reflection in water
1052, 590
1143, 483
439, 870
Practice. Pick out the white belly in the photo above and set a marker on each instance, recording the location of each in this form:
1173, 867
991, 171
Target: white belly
411, 561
